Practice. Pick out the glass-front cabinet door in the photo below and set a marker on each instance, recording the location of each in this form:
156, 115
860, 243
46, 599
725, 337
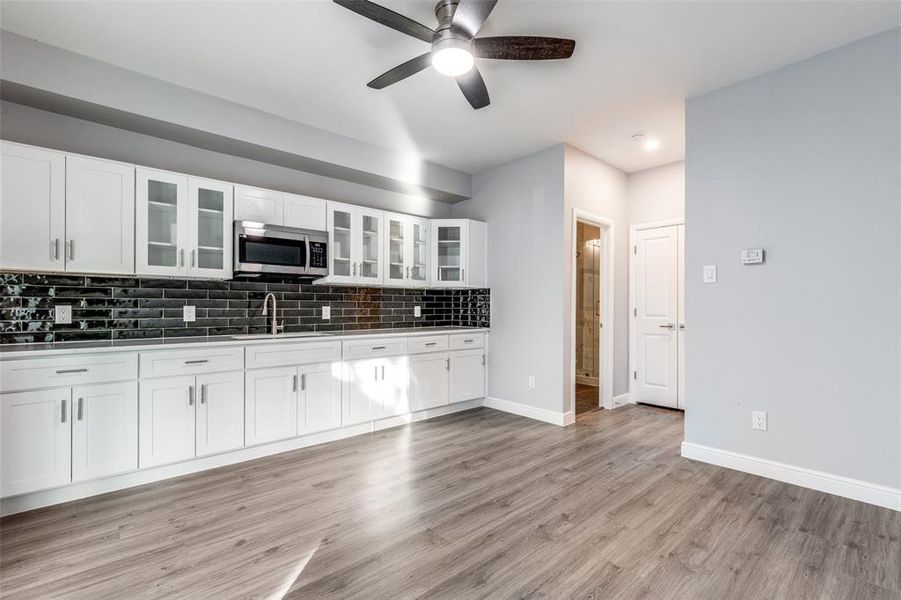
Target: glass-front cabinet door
370, 239
419, 252
448, 253
160, 220
339, 223
395, 249
210, 228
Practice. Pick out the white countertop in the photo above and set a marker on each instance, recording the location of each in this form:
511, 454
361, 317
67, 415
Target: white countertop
9, 351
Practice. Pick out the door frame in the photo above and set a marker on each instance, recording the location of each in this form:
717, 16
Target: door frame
608, 296
633, 230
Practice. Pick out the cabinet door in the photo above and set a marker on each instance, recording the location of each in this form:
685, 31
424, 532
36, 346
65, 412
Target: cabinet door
395, 398
467, 375
32, 208
448, 253
429, 380
418, 252
342, 256
270, 403
369, 237
100, 216
161, 231
167, 419
220, 412
262, 206
397, 267
210, 228
104, 430
319, 403
304, 212
36, 432
362, 391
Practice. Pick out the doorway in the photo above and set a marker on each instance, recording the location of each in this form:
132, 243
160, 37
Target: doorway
592, 309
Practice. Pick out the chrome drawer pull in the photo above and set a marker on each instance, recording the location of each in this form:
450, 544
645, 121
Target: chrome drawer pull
468, 341
196, 362
65, 371
431, 343
378, 347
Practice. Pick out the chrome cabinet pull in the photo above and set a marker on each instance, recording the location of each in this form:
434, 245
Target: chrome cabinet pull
468, 341
447, 364
378, 347
667, 326
181, 257
483, 359
303, 382
67, 371
383, 372
81, 409
431, 343
196, 362
203, 394
375, 372
192, 257
71, 244
682, 326
190, 395
54, 249
355, 269
294, 383
63, 411
462, 274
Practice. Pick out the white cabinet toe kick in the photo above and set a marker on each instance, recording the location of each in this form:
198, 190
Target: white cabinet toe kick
81, 424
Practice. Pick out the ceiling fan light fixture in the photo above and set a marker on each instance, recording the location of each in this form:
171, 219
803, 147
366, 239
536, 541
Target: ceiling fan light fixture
452, 57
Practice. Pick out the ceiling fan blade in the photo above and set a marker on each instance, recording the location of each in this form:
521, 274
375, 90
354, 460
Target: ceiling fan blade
473, 87
524, 47
470, 14
388, 18
402, 71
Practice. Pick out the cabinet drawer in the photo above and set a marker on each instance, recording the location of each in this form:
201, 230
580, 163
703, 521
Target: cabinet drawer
430, 343
374, 347
462, 341
299, 353
190, 361
34, 373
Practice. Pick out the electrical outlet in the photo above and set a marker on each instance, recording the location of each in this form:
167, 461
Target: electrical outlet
326, 313
709, 273
417, 311
532, 381
62, 314
189, 314
758, 420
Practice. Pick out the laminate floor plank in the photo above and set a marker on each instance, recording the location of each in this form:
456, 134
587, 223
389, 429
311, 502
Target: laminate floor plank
478, 504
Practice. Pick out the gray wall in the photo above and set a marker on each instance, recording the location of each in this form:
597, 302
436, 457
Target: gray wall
805, 162
657, 194
522, 202
28, 125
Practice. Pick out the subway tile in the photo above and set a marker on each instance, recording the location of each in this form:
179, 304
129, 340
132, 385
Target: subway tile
164, 283
125, 282
191, 294
53, 280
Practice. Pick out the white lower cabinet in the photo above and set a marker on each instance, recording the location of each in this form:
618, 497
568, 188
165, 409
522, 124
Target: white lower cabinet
167, 419
319, 402
104, 430
220, 412
36, 435
467, 375
375, 388
270, 401
429, 380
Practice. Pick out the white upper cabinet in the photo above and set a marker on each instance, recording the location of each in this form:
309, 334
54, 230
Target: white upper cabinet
406, 250
458, 253
184, 225
100, 216
32, 208
304, 212
262, 206
210, 228
279, 208
356, 237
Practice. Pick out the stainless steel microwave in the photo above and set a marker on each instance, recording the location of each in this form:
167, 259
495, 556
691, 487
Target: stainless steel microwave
273, 249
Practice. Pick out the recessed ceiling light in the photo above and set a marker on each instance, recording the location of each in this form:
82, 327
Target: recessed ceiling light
642, 139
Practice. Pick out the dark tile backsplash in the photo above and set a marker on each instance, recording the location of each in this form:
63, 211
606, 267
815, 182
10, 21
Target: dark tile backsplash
111, 308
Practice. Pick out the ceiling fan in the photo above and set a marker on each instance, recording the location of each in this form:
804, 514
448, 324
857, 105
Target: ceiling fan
455, 45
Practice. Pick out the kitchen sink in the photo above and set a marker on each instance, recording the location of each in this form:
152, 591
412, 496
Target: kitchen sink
277, 336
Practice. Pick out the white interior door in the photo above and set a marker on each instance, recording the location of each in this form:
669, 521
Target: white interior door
104, 430
220, 412
36, 433
100, 216
319, 404
680, 351
655, 316
32, 208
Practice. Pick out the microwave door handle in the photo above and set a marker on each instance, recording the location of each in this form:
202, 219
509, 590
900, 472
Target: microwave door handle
306, 243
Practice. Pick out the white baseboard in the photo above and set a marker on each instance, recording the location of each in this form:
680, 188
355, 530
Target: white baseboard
622, 399
846, 487
76, 491
532, 412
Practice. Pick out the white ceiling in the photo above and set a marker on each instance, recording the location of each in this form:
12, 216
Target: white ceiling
634, 65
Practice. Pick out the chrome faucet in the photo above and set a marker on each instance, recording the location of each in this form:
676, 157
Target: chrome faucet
275, 326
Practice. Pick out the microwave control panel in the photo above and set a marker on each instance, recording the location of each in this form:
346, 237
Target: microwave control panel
318, 255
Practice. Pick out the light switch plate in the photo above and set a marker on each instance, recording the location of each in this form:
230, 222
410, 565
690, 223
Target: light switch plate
417, 311
709, 273
326, 313
752, 256
189, 314
62, 314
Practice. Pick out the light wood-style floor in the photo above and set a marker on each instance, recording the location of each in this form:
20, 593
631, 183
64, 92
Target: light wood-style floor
587, 398
480, 504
